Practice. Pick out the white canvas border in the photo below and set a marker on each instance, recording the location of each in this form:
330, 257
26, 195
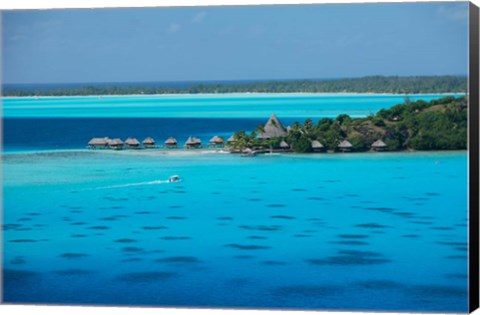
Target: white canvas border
81, 310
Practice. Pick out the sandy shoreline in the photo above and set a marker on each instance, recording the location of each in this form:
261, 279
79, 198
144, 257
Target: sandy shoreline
164, 152
146, 152
228, 95
220, 152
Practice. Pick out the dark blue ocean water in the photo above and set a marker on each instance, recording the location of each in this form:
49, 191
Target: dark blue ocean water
74, 133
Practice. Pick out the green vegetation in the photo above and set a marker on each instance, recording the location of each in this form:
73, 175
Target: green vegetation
436, 125
373, 84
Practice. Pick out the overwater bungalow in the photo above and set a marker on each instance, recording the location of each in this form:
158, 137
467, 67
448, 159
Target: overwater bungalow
273, 129
116, 144
149, 142
193, 142
379, 145
216, 141
171, 142
232, 144
284, 145
98, 143
345, 146
132, 143
317, 146
231, 139
248, 152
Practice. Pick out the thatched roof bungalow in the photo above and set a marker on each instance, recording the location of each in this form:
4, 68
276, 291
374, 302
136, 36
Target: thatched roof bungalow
345, 146
273, 129
248, 152
116, 144
379, 145
216, 141
132, 143
284, 145
231, 139
193, 142
98, 143
171, 142
148, 142
317, 146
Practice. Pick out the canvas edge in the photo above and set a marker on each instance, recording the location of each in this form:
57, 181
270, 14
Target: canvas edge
1, 157
473, 149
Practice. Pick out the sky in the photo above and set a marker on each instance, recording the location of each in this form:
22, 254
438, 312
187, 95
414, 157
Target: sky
234, 43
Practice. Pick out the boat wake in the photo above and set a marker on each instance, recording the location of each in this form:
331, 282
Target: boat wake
171, 179
153, 182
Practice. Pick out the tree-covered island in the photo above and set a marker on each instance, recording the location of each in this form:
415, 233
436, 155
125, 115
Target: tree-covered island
371, 84
436, 125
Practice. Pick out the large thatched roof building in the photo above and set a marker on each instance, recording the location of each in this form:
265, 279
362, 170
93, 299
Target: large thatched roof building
273, 129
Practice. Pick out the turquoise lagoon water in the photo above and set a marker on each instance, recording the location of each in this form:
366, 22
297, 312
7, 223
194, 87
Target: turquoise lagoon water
329, 231
206, 106
383, 231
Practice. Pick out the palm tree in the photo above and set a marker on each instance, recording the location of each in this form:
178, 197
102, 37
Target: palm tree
308, 125
242, 144
240, 139
260, 129
271, 143
252, 139
296, 126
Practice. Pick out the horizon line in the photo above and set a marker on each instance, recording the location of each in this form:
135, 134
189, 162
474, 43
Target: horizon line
243, 80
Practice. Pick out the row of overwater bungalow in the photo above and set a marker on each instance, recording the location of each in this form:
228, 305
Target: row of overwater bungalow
273, 129
149, 143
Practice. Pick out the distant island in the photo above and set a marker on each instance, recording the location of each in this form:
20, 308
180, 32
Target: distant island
436, 125
371, 84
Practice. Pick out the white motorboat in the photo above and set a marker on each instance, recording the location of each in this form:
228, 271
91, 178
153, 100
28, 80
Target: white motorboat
174, 178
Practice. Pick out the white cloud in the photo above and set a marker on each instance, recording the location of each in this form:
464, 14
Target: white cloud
199, 17
173, 28
457, 13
